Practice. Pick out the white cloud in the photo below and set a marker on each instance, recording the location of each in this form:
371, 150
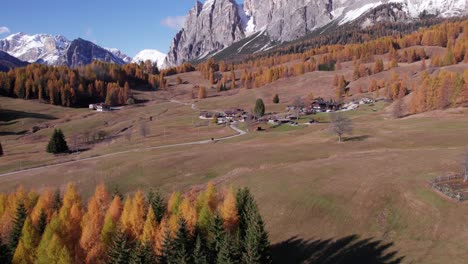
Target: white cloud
174, 22
4, 30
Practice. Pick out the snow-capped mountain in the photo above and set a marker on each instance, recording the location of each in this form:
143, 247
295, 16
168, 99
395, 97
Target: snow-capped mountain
58, 50
119, 54
150, 54
216, 24
41, 48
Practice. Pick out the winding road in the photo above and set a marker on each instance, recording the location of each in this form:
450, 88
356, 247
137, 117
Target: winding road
193, 106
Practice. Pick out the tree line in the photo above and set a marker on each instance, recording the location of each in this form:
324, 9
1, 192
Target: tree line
210, 226
96, 82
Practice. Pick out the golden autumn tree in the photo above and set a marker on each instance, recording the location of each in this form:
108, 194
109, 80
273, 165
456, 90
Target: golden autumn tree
137, 214
229, 210
44, 206
70, 216
189, 213
26, 250
150, 228
111, 220
202, 92
92, 224
52, 248
126, 216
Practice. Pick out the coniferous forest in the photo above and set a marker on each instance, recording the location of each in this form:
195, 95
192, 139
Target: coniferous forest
209, 226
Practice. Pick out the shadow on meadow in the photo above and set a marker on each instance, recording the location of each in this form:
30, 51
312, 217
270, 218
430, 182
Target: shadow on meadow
7, 115
346, 250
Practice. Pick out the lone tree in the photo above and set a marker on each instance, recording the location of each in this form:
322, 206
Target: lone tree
276, 99
340, 125
1, 149
259, 109
57, 143
298, 104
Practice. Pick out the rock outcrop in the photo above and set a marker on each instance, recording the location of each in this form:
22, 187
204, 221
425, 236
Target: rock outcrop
211, 26
216, 24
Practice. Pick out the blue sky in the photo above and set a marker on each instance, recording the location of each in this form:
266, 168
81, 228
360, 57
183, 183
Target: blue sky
129, 25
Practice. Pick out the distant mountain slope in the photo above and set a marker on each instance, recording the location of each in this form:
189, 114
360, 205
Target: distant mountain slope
119, 54
150, 54
216, 24
82, 52
58, 50
8, 62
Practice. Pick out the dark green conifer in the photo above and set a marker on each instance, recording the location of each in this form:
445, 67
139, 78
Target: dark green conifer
57, 203
142, 254
157, 204
181, 246
216, 236
41, 223
276, 99
18, 222
120, 251
259, 109
200, 252
57, 143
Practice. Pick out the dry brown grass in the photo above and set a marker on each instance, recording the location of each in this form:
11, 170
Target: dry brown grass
307, 185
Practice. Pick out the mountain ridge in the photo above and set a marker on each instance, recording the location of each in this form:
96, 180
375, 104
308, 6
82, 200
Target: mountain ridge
284, 20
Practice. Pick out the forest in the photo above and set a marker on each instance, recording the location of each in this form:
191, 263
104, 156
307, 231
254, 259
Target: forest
207, 226
77, 87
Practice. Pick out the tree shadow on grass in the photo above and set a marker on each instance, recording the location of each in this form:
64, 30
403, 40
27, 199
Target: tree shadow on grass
3, 133
346, 250
7, 115
357, 138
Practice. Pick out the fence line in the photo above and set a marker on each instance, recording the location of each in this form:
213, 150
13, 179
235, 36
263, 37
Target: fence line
446, 189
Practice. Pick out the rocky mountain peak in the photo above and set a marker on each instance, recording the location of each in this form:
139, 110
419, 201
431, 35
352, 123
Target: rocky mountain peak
216, 24
213, 25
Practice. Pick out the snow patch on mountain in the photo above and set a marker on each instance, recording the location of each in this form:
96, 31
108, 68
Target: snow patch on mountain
150, 54
35, 48
352, 15
119, 54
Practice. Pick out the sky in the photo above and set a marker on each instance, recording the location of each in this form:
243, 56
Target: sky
128, 25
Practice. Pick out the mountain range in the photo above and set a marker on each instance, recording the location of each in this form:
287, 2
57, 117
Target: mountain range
217, 24
58, 50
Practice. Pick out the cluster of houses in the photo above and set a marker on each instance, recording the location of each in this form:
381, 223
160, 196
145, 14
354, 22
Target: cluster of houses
226, 116
293, 112
321, 105
101, 107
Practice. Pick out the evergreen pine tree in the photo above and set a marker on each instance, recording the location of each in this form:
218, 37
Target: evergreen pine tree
276, 99
57, 143
243, 200
4, 252
256, 243
41, 223
159, 206
142, 254
57, 203
217, 233
18, 222
229, 251
259, 109
200, 251
166, 250
120, 251
181, 246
